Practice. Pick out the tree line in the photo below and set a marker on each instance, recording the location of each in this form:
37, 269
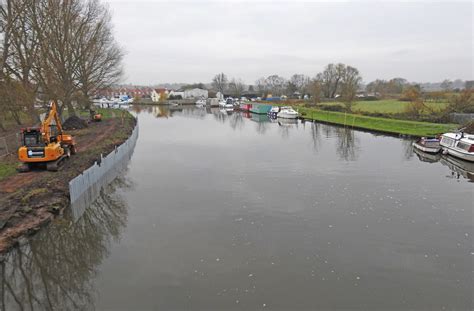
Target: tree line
59, 50
335, 80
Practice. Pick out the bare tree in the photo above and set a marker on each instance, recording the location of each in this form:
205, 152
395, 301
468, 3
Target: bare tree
236, 87
99, 55
261, 86
297, 83
330, 79
275, 84
350, 82
219, 82
316, 90
447, 85
57, 23
24, 51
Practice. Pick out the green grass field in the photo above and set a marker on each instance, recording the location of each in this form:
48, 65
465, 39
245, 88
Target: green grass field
412, 128
385, 106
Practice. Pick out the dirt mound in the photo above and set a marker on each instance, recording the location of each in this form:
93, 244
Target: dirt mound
469, 127
74, 122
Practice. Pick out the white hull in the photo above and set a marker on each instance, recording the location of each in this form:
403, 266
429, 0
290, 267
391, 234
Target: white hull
461, 154
287, 115
427, 149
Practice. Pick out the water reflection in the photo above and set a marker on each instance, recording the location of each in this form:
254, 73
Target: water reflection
407, 148
346, 144
426, 157
262, 122
316, 135
458, 168
55, 269
236, 121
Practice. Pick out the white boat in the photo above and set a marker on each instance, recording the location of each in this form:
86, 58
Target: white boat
459, 145
274, 111
428, 145
287, 113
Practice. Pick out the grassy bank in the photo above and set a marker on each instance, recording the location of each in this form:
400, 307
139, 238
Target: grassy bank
386, 106
393, 126
7, 168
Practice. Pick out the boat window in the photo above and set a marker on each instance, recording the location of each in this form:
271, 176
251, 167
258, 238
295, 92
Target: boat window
464, 146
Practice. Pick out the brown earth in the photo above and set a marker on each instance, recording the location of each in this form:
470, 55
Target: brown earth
30, 200
469, 127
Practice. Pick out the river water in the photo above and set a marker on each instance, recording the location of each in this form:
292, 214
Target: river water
228, 211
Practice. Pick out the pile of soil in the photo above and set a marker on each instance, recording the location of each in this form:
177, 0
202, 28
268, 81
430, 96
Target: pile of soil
469, 128
74, 122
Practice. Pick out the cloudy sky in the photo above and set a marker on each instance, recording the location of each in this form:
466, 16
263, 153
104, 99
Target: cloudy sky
177, 41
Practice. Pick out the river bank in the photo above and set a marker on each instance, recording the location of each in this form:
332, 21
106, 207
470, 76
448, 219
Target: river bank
382, 125
31, 200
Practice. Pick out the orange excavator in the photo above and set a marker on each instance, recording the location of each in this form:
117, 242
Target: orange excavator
47, 144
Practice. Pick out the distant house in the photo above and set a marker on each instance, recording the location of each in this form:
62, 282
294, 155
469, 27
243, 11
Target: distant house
196, 93
219, 96
159, 94
176, 93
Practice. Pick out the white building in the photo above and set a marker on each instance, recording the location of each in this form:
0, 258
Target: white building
176, 93
220, 96
196, 93
156, 94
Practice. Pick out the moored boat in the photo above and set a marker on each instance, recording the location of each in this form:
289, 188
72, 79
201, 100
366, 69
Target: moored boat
428, 144
287, 113
260, 108
460, 145
274, 111
245, 107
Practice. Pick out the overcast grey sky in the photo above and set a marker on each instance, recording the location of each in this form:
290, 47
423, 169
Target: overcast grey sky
176, 41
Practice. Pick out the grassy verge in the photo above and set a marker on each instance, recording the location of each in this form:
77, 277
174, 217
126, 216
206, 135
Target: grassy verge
386, 106
393, 126
107, 113
7, 169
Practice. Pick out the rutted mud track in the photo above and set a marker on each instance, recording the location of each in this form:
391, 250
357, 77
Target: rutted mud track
30, 200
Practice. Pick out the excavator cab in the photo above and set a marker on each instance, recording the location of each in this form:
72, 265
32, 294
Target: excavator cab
31, 137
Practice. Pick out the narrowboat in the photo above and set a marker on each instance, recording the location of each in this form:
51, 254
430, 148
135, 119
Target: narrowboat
245, 107
459, 145
428, 145
260, 108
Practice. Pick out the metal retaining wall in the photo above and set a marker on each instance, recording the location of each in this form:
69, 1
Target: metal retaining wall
85, 188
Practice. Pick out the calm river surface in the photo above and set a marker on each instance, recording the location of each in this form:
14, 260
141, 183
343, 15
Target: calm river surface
226, 211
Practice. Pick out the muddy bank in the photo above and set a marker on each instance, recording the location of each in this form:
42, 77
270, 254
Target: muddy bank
31, 200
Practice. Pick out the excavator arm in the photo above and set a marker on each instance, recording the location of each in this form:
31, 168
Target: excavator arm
46, 124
